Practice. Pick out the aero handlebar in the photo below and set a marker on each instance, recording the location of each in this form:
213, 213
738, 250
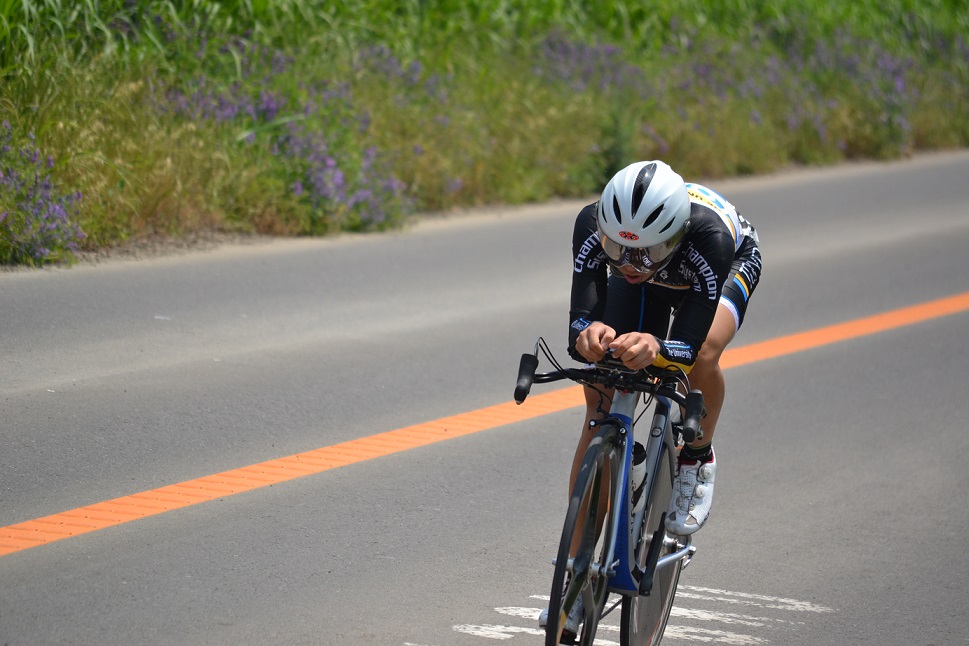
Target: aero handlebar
611, 373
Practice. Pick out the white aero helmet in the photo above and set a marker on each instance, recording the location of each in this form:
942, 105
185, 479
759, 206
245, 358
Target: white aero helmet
642, 215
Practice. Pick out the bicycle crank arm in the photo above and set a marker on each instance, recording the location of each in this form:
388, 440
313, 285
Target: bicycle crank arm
685, 553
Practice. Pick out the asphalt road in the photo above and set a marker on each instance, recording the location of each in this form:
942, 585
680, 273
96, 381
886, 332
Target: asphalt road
840, 515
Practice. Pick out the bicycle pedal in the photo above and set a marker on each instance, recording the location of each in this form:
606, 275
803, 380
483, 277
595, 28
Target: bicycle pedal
688, 558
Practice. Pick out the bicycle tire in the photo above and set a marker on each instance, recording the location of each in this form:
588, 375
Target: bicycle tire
643, 619
585, 502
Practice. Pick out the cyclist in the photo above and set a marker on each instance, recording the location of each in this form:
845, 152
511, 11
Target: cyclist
672, 250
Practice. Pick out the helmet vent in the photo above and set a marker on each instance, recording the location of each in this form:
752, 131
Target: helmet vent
643, 179
668, 225
616, 209
655, 214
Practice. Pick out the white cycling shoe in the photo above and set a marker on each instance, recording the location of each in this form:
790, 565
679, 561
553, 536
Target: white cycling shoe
572, 622
692, 497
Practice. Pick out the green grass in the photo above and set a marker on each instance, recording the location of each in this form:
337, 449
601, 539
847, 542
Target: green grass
305, 118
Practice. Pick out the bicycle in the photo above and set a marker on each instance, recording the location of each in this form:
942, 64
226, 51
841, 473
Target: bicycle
624, 548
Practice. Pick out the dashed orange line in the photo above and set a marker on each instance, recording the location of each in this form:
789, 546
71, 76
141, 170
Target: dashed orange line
109, 513
843, 331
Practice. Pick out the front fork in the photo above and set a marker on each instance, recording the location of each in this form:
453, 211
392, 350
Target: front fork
624, 408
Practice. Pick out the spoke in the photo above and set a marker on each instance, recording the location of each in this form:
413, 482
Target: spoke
608, 611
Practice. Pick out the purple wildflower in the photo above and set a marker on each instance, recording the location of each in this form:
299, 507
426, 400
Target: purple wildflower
315, 139
40, 226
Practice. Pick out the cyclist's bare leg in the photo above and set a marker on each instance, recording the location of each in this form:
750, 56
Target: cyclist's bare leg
707, 374
595, 406
592, 406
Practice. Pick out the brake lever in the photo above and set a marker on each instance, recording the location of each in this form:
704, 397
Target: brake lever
695, 410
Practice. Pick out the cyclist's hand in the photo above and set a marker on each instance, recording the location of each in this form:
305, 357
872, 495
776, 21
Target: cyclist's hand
636, 350
593, 342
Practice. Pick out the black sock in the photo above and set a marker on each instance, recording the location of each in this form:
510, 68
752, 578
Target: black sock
696, 454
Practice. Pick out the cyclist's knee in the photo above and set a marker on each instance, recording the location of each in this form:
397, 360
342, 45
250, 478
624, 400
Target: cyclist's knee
720, 335
709, 357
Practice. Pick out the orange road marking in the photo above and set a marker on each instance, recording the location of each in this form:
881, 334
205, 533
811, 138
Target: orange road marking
109, 513
843, 331
75, 522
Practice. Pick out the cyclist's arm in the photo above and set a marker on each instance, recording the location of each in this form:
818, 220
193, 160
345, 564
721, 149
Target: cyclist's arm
711, 267
589, 277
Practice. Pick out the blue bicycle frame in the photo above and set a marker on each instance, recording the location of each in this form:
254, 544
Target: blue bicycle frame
635, 559
626, 576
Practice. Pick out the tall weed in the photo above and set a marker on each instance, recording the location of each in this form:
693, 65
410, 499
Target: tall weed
304, 118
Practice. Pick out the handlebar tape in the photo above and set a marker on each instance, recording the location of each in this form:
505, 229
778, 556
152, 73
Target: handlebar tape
526, 375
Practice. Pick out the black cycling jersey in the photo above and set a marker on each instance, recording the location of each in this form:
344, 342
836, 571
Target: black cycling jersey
719, 244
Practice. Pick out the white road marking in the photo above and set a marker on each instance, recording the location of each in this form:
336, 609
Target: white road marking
683, 613
672, 631
745, 598
496, 632
683, 623
726, 617
524, 613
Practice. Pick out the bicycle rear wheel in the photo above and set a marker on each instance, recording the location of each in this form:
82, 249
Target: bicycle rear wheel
588, 515
643, 618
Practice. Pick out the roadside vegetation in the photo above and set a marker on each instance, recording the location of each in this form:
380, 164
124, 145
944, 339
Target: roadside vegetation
124, 119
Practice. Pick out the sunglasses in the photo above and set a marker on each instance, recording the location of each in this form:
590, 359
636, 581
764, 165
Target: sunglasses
643, 260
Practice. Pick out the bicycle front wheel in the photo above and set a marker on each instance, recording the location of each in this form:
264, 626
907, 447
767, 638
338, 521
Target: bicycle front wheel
643, 618
588, 525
